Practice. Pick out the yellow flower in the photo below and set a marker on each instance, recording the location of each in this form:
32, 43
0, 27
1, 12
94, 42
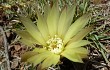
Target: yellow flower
57, 34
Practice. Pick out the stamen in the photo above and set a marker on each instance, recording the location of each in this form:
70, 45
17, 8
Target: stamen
55, 44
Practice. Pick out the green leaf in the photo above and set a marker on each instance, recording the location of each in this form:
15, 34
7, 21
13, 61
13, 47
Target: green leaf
76, 27
77, 44
71, 55
51, 60
52, 20
39, 58
80, 35
32, 29
27, 55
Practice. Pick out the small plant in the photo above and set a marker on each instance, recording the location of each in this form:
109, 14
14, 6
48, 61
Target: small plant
57, 34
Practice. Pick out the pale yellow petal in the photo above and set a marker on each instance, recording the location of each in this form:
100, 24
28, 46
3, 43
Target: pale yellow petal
71, 55
51, 60
27, 55
69, 18
42, 26
76, 27
77, 44
27, 39
80, 35
62, 21
27, 42
39, 50
81, 50
32, 29
52, 20
46, 11
38, 58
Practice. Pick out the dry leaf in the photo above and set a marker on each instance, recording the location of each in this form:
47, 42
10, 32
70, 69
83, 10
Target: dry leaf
14, 63
97, 1
17, 47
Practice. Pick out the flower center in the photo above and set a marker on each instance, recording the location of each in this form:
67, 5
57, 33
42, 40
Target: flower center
55, 44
